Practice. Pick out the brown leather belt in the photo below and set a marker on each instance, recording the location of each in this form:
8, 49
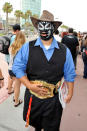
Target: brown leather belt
50, 88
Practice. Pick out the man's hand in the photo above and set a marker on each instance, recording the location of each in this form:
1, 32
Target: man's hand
68, 98
37, 88
34, 87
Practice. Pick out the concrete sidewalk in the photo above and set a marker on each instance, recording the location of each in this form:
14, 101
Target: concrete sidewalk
74, 116
10, 117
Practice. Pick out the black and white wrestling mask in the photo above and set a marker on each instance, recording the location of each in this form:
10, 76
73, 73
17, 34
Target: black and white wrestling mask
46, 30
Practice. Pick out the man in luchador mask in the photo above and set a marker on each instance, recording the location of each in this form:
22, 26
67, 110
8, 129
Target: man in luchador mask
40, 65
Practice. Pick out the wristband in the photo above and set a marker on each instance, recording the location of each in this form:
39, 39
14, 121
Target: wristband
1, 78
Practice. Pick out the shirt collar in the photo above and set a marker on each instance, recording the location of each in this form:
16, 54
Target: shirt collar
54, 43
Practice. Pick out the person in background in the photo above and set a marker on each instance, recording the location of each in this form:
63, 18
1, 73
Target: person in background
64, 33
75, 34
1, 79
13, 50
72, 43
16, 28
56, 35
44, 61
84, 57
78, 47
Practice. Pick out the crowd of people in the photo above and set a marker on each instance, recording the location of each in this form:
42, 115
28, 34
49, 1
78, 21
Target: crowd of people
77, 43
48, 59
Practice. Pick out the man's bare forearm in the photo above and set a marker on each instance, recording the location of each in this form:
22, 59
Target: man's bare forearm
70, 87
25, 81
70, 91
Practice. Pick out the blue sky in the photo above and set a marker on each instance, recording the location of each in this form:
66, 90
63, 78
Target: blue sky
71, 12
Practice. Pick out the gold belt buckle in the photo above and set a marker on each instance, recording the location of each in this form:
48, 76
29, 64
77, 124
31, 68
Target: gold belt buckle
46, 85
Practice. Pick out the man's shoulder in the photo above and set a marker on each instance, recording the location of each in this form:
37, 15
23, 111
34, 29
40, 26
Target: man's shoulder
32, 43
62, 45
26, 44
25, 47
29, 43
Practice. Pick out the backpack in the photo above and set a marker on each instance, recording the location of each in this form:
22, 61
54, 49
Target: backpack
5, 43
84, 54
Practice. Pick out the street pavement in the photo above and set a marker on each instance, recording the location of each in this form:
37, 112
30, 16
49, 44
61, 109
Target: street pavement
74, 115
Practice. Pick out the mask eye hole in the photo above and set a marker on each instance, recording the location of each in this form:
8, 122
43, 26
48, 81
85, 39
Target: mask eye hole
40, 25
48, 25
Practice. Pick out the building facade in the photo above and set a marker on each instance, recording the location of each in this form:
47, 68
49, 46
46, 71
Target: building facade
33, 5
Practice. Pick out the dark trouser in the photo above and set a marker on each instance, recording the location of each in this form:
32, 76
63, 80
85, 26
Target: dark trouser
75, 61
45, 113
85, 70
39, 129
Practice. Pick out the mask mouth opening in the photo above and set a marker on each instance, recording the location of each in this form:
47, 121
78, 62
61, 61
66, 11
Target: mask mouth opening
43, 33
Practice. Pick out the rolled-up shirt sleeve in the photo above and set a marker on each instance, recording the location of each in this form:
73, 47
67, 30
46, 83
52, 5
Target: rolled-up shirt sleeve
20, 61
69, 68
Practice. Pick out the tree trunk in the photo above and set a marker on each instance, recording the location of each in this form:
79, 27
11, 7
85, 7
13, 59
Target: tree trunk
18, 20
6, 28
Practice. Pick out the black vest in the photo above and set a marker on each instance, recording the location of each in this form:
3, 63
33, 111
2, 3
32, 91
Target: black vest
39, 68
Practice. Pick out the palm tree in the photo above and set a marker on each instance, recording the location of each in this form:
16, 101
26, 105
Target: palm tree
18, 14
25, 16
29, 13
35, 15
64, 27
7, 8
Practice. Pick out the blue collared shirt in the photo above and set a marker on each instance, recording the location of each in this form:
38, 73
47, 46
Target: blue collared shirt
20, 62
